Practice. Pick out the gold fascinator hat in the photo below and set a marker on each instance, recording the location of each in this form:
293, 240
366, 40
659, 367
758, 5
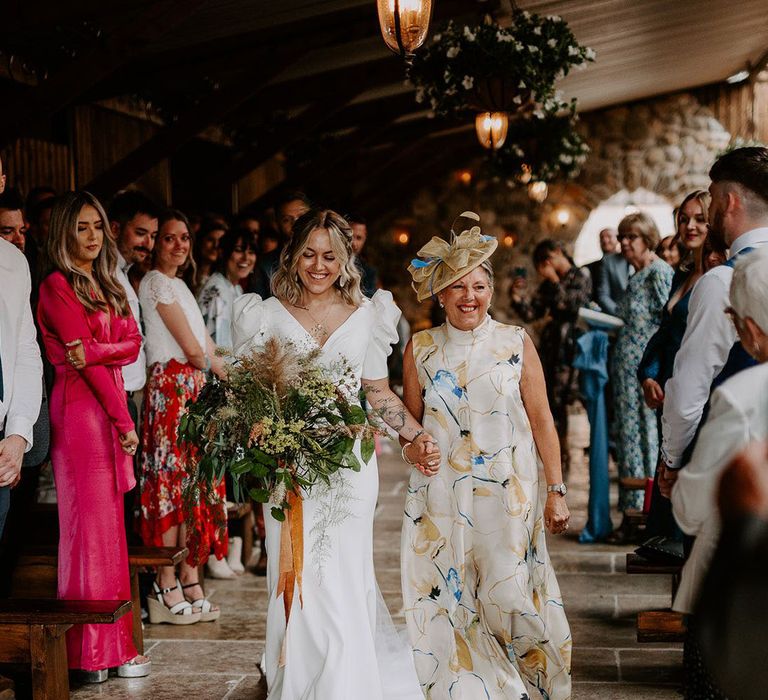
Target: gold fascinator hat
441, 263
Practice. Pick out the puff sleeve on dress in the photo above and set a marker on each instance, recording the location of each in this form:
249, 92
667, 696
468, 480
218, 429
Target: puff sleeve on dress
384, 335
249, 323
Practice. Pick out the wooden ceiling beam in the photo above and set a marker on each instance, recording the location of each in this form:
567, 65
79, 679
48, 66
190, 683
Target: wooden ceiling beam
397, 190
305, 123
213, 110
73, 80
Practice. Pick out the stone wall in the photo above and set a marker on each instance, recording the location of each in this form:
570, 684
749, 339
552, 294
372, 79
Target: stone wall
666, 146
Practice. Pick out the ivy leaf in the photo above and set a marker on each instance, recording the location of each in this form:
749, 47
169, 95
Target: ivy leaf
259, 495
367, 448
278, 514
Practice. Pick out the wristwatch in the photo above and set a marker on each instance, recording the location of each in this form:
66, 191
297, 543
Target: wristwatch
562, 489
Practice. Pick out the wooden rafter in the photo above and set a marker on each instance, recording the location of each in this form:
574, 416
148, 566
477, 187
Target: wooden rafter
304, 124
72, 81
212, 110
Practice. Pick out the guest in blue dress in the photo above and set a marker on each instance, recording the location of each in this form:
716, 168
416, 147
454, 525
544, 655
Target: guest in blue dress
659, 357
637, 438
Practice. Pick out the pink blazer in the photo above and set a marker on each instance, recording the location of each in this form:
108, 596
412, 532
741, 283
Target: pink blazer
110, 342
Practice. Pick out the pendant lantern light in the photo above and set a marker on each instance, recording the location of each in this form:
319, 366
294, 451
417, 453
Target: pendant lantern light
404, 24
491, 128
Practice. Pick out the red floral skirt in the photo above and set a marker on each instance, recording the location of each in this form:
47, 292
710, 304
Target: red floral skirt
165, 466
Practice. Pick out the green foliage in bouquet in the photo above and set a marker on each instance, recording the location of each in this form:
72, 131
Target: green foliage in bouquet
279, 423
458, 70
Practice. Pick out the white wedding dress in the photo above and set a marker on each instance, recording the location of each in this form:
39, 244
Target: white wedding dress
341, 644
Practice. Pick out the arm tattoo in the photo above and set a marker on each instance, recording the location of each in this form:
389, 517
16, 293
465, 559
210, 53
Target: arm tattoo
387, 406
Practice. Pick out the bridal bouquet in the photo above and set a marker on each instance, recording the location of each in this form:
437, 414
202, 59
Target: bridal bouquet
279, 423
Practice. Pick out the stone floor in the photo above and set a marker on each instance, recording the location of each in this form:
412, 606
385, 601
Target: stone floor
219, 660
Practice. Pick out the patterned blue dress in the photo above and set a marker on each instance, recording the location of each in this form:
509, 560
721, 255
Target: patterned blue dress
637, 436
482, 604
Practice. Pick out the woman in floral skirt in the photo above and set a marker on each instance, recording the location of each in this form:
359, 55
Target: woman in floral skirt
179, 352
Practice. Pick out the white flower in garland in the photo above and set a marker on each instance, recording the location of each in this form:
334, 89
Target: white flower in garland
590, 54
453, 52
471, 36
468, 82
552, 43
533, 49
521, 85
573, 50
537, 31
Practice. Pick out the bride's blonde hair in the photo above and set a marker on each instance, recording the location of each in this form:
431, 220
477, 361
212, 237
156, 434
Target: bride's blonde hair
286, 284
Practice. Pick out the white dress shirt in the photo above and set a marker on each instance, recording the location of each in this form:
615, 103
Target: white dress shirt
709, 337
135, 374
20, 353
738, 415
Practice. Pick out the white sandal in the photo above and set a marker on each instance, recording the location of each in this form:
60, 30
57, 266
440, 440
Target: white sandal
179, 614
208, 613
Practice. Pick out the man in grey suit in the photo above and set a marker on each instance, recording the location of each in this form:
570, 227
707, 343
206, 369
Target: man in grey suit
610, 274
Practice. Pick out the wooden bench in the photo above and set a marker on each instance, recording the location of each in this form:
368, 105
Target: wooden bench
138, 558
36, 576
32, 633
640, 565
660, 626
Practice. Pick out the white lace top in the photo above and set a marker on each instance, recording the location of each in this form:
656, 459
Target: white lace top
157, 288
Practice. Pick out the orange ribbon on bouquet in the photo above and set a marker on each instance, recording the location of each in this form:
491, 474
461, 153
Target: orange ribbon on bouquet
291, 558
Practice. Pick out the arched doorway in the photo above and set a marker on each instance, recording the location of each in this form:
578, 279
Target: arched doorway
611, 211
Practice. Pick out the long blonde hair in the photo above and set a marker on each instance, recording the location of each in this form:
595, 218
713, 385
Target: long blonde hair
286, 284
107, 293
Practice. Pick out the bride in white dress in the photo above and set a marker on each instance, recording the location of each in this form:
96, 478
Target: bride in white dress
340, 643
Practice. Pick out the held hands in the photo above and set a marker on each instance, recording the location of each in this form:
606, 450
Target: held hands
424, 453
653, 393
556, 514
11, 453
129, 442
76, 354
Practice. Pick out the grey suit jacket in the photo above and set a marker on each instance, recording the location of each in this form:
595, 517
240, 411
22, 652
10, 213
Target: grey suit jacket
614, 277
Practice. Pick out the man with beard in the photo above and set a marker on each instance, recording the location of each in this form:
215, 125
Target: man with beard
710, 351
133, 224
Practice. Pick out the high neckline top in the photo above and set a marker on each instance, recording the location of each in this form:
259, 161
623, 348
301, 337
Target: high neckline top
468, 337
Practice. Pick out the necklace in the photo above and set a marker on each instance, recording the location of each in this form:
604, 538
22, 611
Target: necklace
319, 331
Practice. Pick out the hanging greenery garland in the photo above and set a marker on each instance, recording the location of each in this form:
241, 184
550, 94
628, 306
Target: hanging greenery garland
541, 150
492, 68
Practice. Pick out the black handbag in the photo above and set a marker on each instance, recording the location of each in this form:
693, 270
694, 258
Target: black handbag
662, 550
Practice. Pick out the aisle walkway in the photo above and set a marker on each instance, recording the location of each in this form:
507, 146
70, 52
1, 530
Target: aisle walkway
219, 660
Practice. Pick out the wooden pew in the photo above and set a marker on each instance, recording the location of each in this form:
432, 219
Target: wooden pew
139, 557
639, 565
32, 632
36, 576
657, 625
660, 626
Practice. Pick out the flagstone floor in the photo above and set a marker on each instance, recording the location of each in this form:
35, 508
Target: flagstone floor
219, 660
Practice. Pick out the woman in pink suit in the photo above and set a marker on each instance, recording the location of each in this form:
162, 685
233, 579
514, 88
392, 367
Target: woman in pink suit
89, 334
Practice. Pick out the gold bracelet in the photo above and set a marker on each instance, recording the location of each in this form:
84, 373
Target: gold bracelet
403, 455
